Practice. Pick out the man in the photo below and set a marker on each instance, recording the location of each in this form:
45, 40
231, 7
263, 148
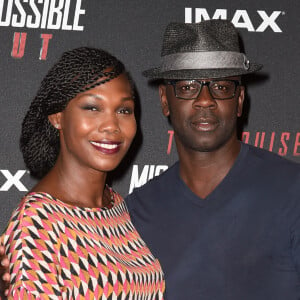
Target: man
224, 221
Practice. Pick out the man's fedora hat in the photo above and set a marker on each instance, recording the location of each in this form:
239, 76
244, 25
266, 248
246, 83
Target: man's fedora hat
209, 49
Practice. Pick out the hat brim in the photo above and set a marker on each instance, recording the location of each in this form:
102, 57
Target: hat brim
156, 73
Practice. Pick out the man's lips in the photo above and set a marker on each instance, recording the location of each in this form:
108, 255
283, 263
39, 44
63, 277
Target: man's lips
205, 124
106, 147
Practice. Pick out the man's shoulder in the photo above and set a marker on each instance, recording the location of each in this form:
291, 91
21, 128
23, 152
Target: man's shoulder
273, 160
264, 166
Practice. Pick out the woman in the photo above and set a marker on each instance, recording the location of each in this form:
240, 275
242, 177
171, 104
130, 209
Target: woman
71, 236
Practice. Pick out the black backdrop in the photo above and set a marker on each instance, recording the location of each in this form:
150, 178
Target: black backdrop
33, 35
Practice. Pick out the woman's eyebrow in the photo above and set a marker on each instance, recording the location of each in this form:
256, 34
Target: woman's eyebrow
128, 98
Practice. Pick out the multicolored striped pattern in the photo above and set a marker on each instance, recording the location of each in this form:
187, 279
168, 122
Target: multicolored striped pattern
58, 251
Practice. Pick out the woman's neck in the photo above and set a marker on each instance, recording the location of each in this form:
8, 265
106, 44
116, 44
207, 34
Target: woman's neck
80, 186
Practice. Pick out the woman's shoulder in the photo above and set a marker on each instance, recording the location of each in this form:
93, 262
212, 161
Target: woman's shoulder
35, 200
31, 203
30, 213
34, 204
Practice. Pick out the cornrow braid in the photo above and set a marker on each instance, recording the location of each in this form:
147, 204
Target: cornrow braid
77, 71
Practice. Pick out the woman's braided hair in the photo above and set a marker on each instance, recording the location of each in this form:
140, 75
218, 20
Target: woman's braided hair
77, 71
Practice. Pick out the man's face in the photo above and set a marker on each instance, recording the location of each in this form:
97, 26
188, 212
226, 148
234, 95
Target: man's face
203, 124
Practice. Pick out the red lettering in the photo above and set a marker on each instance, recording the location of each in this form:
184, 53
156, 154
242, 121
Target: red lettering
45, 44
245, 136
272, 141
297, 144
257, 138
171, 134
283, 150
19, 42
265, 140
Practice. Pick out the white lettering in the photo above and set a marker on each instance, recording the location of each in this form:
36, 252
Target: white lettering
268, 21
13, 180
14, 20
46, 14
148, 172
201, 14
65, 25
245, 23
55, 11
6, 22
37, 15
135, 180
240, 19
159, 169
188, 15
78, 12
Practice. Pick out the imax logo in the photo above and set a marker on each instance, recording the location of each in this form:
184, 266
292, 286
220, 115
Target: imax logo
13, 180
240, 19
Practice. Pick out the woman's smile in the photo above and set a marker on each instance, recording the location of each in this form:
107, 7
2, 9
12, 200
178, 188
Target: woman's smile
107, 147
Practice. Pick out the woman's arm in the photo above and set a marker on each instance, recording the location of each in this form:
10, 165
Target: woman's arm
31, 244
4, 272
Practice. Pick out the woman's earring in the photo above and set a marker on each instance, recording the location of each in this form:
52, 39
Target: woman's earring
56, 126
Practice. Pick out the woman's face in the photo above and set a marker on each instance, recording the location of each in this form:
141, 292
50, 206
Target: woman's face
98, 125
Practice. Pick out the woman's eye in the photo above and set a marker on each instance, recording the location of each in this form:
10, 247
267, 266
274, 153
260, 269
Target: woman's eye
126, 110
90, 107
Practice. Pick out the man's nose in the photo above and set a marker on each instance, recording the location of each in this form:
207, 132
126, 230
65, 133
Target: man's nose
204, 99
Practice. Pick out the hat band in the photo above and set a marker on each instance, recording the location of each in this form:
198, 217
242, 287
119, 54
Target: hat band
205, 60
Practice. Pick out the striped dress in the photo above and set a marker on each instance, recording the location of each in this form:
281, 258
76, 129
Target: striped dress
59, 251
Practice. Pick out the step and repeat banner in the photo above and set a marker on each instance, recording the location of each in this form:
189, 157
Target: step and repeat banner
34, 33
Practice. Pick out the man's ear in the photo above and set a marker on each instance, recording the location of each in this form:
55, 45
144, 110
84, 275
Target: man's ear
241, 101
164, 100
55, 120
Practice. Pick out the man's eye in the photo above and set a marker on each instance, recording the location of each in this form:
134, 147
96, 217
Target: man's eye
187, 88
219, 87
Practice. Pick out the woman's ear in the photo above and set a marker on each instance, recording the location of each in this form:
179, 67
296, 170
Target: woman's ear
55, 120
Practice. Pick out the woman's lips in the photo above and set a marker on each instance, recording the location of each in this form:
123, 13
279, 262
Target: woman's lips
107, 147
